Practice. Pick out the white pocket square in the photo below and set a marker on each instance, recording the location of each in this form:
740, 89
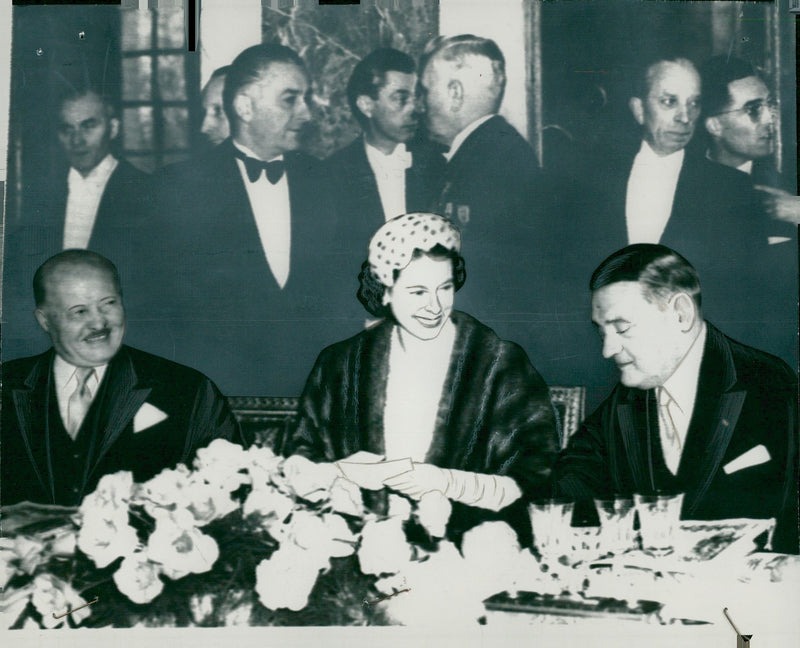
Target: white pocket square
753, 457
147, 416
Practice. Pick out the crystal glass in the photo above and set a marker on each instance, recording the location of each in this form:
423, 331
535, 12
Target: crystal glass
659, 521
551, 521
616, 524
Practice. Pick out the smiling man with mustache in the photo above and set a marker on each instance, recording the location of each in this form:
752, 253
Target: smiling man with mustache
90, 405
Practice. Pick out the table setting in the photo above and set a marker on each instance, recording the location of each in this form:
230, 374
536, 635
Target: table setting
247, 538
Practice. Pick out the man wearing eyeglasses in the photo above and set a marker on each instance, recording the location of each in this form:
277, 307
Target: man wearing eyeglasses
654, 187
740, 117
741, 121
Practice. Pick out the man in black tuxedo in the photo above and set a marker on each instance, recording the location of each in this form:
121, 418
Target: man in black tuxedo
491, 185
694, 411
387, 171
653, 189
739, 117
250, 278
90, 405
98, 202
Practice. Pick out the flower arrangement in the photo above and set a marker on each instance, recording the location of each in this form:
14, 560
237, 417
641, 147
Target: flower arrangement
243, 538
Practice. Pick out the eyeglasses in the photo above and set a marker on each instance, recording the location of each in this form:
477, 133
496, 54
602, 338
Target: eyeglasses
754, 109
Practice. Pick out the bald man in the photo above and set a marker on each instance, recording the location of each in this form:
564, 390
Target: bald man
90, 405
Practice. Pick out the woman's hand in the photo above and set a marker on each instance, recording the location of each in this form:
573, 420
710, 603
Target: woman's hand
424, 478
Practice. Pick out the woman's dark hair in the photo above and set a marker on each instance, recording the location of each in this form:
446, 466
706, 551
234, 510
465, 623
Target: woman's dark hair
371, 290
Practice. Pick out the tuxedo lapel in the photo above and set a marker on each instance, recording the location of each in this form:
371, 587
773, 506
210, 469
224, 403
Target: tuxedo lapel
716, 413
365, 185
31, 404
628, 430
123, 397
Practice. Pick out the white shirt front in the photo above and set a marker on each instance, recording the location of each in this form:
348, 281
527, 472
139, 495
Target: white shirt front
66, 382
747, 167
272, 211
650, 194
83, 200
417, 371
458, 140
682, 387
390, 176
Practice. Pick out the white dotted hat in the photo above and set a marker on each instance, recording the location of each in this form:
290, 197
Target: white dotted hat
393, 245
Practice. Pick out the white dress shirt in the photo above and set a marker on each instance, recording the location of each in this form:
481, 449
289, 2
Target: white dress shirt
417, 373
272, 211
66, 382
747, 167
83, 200
390, 175
650, 194
458, 140
681, 387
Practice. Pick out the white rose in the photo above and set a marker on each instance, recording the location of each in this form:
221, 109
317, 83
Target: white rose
263, 465
181, 549
286, 579
209, 502
268, 502
104, 539
308, 480
345, 497
222, 463
492, 549
166, 489
384, 548
52, 596
433, 513
113, 492
137, 578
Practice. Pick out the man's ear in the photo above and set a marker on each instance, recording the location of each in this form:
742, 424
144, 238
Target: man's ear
42, 319
685, 310
637, 108
114, 128
365, 104
713, 126
455, 92
243, 107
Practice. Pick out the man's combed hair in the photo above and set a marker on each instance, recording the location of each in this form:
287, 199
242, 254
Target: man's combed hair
250, 66
662, 271
455, 49
371, 290
70, 259
646, 71
369, 76
717, 73
75, 92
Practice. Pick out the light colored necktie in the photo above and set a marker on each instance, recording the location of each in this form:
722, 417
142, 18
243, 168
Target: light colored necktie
670, 440
80, 401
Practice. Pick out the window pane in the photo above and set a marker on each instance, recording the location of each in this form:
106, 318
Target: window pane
176, 128
171, 81
136, 78
170, 28
136, 29
137, 129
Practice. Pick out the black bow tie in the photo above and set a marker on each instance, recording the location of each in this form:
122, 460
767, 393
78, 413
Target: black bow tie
254, 168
